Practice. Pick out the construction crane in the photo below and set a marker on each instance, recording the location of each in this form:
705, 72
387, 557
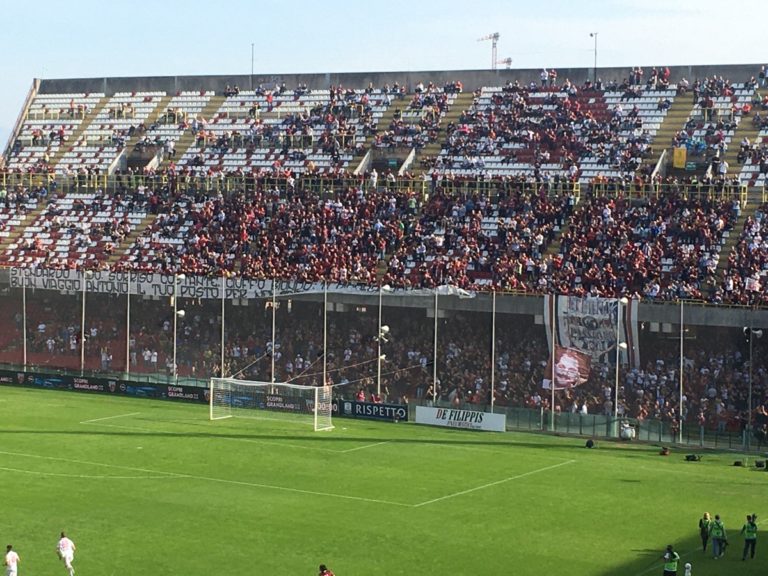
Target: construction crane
507, 62
494, 38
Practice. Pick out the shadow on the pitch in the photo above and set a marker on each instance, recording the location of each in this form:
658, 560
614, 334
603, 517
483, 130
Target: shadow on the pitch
320, 437
649, 562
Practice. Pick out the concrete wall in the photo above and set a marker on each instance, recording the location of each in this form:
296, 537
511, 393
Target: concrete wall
661, 312
471, 79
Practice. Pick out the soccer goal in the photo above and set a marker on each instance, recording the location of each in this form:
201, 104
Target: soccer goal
231, 398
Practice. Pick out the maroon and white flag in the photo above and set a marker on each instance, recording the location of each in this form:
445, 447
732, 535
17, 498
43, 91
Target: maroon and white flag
571, 368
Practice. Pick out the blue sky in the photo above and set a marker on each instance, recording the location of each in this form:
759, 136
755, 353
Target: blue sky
88, 38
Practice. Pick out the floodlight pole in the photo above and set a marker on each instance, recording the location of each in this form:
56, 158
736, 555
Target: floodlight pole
176, 278
434, 352
620, 303
128, 328
553, 320
24, 315
682, 366
251, 65
223, 300
325, 333
82, 324
749, 393
594, 70
493, 350
752, 334
382, 289
274, 326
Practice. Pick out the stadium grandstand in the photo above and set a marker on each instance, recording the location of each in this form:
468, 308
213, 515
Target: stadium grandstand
486, 218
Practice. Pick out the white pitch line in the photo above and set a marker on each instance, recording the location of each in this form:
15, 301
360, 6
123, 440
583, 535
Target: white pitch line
109, 418
84, 476
298, 490
85, 462
361, 447
212, 479
490, 484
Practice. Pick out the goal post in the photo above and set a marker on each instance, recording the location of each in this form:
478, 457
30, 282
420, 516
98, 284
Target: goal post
233, 398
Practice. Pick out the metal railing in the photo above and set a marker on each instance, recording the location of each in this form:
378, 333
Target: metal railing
492, 188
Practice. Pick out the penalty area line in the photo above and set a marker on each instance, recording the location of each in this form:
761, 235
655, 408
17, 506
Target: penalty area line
110, 418
362, 447
87, 463
296, 490
85, 476
491, 484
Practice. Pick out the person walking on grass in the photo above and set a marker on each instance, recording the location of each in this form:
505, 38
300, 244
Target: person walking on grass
671, 559
704, 526
66, 552
749, 530
11, 561
719, 537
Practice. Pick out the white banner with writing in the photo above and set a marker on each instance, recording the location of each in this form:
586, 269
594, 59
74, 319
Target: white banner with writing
466, 419
591, 325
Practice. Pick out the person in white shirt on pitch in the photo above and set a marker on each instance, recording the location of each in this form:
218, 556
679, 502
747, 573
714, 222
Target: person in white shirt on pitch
11, 561
66, 551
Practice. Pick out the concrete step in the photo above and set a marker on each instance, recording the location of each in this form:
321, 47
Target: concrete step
17, 234
187, 140
78, 134
123, 247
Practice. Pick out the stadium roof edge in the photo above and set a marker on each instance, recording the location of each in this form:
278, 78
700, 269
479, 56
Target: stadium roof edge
470, 78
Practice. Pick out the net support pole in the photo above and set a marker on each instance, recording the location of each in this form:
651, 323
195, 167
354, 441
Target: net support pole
210, 399
316, 405
493, 350
223, 293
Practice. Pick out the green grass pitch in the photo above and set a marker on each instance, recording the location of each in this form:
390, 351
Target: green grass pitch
153, 487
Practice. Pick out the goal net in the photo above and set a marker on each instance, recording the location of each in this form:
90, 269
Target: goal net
231, 398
